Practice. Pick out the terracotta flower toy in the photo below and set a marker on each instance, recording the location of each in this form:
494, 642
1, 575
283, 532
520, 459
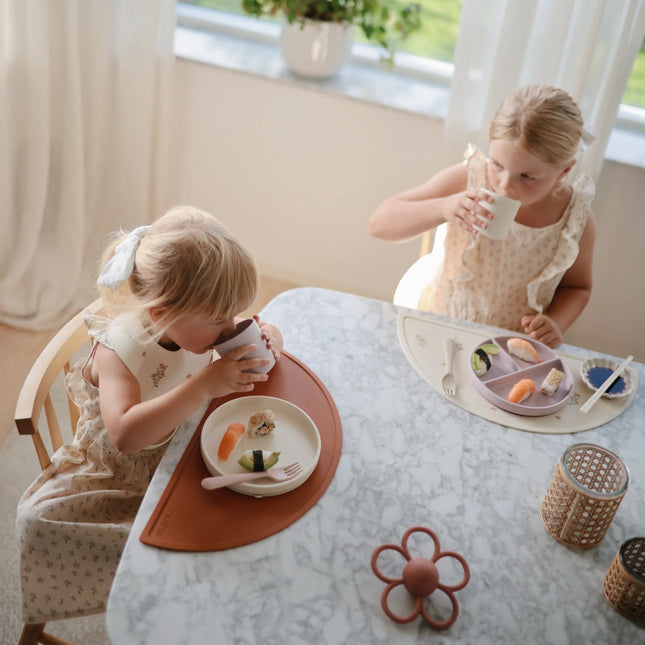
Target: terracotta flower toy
421, 578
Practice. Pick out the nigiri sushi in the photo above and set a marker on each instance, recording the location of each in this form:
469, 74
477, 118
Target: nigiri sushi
229, 440
262, 423
552, 382
521, 348
258, 460
521, 391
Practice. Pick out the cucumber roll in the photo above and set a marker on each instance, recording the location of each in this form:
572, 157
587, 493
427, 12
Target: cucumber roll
258, 460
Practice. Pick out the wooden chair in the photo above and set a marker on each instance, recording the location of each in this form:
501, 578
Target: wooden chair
35, 395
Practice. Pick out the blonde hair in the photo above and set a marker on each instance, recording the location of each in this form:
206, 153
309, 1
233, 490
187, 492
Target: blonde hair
186, 263
543, 120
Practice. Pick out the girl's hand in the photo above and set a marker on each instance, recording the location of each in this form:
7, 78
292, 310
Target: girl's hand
462, 209
542, 328
272, 337
230, 373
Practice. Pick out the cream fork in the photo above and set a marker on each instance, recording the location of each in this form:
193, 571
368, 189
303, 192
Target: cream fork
448, 382
277, 474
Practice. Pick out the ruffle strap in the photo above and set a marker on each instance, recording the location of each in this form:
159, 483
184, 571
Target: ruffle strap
542, 288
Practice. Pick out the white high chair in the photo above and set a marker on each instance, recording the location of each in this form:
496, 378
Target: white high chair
414, 280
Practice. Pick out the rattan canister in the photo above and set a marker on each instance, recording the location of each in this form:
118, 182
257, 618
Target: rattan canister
586, 489
624, 583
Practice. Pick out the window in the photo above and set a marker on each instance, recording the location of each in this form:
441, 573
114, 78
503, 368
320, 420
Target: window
426, 54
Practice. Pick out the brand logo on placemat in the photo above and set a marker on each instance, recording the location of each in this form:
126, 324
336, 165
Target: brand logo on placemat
165, 520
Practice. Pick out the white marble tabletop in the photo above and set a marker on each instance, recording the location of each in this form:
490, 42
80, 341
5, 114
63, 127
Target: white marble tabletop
409, 457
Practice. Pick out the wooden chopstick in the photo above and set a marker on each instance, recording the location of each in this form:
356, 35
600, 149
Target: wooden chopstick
606, 385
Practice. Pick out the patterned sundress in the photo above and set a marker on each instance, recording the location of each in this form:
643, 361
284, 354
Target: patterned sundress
496, 282
73, 521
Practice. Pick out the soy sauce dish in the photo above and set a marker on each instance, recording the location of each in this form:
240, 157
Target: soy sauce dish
595, 371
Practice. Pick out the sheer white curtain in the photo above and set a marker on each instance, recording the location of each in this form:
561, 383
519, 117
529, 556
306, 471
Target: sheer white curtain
586, 47
84, 107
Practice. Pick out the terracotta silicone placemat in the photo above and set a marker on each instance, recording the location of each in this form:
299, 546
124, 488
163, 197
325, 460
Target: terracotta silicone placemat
422, 339
189, 518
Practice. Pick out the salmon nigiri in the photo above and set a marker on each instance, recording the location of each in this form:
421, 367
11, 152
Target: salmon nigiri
521, 391
521, 348
230, 439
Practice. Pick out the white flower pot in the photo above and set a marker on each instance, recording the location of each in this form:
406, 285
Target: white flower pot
317, 50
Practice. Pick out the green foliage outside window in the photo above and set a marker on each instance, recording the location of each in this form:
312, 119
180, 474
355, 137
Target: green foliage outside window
438, 34
383, 22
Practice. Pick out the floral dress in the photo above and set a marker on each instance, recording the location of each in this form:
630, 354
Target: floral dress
496, 282
73, 521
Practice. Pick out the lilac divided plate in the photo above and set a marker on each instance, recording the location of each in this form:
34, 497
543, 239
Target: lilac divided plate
506, 370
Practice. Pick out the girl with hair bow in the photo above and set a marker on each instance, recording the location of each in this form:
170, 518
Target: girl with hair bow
170, 291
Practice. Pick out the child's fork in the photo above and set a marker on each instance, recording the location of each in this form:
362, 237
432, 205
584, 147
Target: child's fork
448, 382
278, 474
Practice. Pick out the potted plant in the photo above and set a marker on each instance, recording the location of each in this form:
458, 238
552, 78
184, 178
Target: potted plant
317, 35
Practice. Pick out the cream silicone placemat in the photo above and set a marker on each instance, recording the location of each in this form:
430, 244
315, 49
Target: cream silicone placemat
422, 342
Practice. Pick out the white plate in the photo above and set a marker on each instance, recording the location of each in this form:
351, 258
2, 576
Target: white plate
295, 436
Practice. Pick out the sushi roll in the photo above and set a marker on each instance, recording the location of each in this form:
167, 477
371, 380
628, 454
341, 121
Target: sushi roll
480, 360
552, 382
521, 391
262, 423
229, 440
258, 460
523, 349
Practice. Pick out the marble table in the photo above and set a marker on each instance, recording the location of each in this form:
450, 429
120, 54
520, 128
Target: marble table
410, 457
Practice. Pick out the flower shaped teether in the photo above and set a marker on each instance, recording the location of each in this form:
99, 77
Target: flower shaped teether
420, 577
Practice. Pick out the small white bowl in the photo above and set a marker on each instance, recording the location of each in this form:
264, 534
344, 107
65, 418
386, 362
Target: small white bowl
610, 365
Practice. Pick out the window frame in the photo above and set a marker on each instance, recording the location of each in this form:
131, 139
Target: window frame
630, 119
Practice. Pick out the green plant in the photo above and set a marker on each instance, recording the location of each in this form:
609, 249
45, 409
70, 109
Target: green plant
383, 22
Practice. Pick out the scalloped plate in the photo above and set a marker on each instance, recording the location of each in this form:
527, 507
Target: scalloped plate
610, 365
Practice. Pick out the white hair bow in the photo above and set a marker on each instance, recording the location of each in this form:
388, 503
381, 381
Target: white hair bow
119, 267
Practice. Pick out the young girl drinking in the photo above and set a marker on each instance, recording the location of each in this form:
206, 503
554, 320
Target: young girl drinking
170, 291
538, 279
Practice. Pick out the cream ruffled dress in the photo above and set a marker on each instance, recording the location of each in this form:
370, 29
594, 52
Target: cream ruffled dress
73, 521
496, 282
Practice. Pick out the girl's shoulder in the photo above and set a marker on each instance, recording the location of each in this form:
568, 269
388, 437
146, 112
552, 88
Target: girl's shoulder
584, 188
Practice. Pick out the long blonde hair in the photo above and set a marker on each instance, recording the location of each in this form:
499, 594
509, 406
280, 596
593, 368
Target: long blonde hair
543, 120
187, 263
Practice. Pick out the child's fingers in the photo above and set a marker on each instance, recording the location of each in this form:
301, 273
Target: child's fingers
252, 363
240, 352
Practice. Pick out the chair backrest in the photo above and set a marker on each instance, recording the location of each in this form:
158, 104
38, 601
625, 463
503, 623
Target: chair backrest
414, 280
36, 390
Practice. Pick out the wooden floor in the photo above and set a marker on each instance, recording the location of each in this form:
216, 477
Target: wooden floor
19, 349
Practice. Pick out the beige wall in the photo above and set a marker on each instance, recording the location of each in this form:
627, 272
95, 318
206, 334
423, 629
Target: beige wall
295, 174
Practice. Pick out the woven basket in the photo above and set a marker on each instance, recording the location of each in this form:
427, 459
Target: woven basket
624, 584
587, 487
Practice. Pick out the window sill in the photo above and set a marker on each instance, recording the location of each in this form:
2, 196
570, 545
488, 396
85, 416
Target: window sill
353, 81
356, 81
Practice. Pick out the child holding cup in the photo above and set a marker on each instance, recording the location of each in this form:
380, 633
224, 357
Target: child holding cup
171, 291
537, 279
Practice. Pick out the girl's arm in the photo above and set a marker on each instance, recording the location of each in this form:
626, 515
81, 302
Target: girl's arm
443, 198
571, 295
133, 425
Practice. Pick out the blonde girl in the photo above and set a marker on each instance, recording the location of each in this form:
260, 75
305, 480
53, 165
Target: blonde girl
538, 279
170, 291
